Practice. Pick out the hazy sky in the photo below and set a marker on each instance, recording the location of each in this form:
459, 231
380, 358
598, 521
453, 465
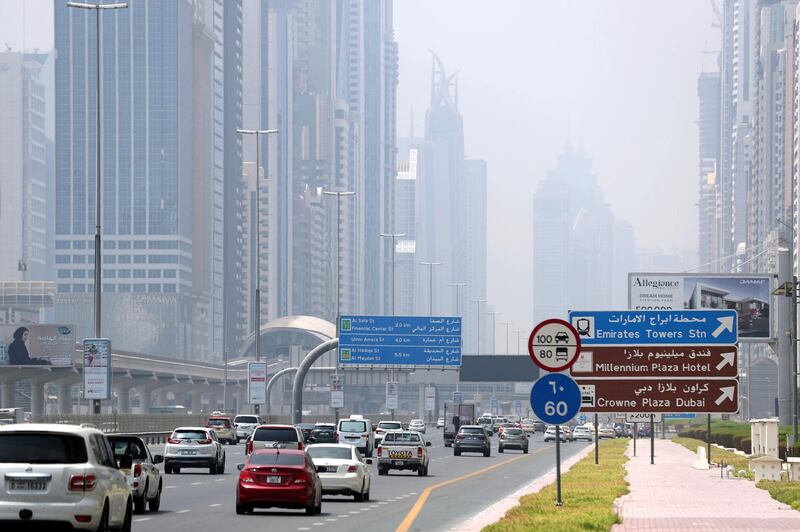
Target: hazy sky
621, 75
618, 77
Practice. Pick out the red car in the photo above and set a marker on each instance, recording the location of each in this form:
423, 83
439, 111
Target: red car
282, 478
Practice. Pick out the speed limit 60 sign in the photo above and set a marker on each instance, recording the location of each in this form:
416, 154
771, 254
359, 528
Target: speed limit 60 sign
555, 398
554, 345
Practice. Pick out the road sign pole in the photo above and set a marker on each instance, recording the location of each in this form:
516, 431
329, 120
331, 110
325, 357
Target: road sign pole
596, 443
708, 440
559, 502
635, 432
652, 440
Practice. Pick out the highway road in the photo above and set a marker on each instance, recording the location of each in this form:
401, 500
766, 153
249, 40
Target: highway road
456, 489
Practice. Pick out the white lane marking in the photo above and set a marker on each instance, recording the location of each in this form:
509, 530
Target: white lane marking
196, 483
220, 480
303, 528
214, 505
183, 511
170, 487
318, 524
383, 503
139, 520
373, 505
363, 509
355, 512
413, 493
331, 519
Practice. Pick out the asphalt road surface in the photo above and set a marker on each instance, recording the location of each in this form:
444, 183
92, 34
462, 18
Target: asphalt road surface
460, 487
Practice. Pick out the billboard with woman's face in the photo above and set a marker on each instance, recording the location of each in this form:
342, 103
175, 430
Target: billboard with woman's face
37, 345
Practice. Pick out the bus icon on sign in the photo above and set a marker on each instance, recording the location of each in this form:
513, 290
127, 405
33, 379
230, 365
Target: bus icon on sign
562, 355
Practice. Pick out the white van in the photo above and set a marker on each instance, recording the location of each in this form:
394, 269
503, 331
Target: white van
357, 432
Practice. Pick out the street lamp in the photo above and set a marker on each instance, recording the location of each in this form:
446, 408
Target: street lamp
97, 238
258, 133
506, 323
478, 328
338, 195
430, 266
393, 236
494, 328
518, 333
457, 286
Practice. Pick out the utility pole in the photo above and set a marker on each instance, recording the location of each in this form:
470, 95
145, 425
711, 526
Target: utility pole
478, 328
258, 133
457, 286
518, 333
97, 190
494, 315
506, 323
338, 195
430, 266
393, 236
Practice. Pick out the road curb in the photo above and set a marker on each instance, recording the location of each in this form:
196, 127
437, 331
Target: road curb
498, 510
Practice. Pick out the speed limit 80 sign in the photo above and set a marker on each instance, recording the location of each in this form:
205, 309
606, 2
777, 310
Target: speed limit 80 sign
554, 345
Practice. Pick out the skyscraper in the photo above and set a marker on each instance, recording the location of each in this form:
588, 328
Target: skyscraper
709, 94
163, 170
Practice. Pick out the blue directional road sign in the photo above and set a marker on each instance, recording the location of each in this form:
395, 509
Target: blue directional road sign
680, 416
656, 327
555, 398
400, 340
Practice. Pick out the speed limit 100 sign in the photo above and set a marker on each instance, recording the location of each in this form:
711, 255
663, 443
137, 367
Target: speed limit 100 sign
554, 345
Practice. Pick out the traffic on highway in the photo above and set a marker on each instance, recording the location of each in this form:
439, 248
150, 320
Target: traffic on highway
280, 476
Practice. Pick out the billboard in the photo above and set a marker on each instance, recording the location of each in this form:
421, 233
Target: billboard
96, 368
392, 398
37, 345
337, 390
400, 341
748, 294
256, 383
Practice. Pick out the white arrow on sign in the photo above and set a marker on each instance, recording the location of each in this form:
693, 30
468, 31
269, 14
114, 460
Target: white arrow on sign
727, 394
727, 360
725, 323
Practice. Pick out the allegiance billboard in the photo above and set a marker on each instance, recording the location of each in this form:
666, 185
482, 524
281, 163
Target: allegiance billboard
37, 345
748, 294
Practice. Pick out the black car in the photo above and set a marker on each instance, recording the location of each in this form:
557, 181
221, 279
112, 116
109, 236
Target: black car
306, 429
472, 439
323, 433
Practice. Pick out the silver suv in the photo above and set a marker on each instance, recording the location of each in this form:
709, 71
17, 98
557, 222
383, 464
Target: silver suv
194, 447
63, 475
244, 425
275, 436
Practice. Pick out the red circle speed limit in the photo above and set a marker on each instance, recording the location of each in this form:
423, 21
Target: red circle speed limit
554, 345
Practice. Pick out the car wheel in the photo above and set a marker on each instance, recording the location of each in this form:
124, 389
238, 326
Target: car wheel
311, 508
499, 448
221, 468
102, 526
525, 450
318, 507
368, 452
212, 469
139, 503
366, 495
176, 470
126, 523
359, 497
242, 509
167, 469
155, 504
456, 452
487, 453
421, 471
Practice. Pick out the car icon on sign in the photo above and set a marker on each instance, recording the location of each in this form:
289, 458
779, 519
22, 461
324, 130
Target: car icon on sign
562, 337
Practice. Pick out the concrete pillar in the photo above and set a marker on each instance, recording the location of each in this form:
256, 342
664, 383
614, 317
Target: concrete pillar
124, 400
9, 394
197, 398
784, 336
213, 401
37, 401
65, 399
144, 399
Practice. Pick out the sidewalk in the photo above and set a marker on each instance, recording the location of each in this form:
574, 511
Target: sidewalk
671, 495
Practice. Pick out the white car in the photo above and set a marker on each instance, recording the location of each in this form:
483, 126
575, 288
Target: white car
194, 447
63, 474
342, 469
143, 475
582, 433
417, 425
440, 423
385, 426
244, 425
357, 431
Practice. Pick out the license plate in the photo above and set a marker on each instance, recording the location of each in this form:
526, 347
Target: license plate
189, 452
27, 485
399, 462
273, 480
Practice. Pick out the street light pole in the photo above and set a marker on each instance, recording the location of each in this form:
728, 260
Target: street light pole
338, 195
518, 333
393, 236
430, 266
478, 328
457, 286
258, 133
97, 203
506, 323
494, 329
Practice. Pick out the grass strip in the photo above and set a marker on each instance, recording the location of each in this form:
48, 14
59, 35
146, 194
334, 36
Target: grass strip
588, 492
717, 455
785, 492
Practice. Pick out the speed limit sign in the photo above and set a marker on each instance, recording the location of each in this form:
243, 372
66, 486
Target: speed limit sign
554, 345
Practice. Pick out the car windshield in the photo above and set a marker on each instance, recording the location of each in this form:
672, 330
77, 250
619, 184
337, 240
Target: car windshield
189, 435
401, 437
275, 434
245, 419
276, 459
128, 447
219, 423
324, 427
337, 453
390, 425
353, 426
513, 432
33, 448
471, 430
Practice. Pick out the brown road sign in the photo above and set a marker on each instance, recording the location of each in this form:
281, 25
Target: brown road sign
656, 361
702, 396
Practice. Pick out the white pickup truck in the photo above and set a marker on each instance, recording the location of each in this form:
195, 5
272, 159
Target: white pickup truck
403, 449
